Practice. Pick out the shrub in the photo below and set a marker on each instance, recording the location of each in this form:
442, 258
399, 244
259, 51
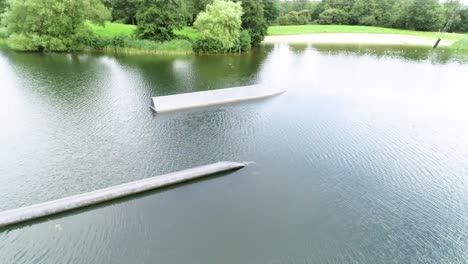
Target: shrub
34, 42
208, 45
334, 16
293, 18
368, 21
244, 41
3, 33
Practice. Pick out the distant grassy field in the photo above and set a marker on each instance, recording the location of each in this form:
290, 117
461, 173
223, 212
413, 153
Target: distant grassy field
310, 29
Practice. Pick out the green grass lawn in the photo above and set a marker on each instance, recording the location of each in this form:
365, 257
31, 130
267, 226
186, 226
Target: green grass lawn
310, 29
190, 32
116, 29
461, 44
112, 29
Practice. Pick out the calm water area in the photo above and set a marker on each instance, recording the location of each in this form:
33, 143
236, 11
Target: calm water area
363, 160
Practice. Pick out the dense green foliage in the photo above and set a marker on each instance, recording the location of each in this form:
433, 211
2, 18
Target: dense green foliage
271, 10
295, 18
334, 16
123, 11
51, 25
220, 26
253, 20
426, 15
194, 7
3, 5
157, 19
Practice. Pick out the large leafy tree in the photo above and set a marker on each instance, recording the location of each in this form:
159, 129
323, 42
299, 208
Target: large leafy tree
51, 24
157, 19
454, 15
363, 12
221, 22
194, 7
425, 15
253, 20
271, 10
123, 11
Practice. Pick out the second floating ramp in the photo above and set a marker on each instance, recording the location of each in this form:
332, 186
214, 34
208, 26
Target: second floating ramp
213, 97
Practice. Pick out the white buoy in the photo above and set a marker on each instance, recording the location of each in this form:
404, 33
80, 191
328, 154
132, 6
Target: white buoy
77, 201
210, 98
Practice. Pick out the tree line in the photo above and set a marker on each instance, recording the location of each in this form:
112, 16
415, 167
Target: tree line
225, 26
423, 15
60, 25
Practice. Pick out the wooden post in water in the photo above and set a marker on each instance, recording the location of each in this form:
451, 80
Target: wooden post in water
437, 43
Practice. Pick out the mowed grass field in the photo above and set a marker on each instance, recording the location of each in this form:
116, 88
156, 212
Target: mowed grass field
311, 29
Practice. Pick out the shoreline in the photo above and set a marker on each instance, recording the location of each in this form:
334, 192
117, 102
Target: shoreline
356, 39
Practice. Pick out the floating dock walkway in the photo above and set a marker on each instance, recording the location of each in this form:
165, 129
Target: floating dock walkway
73, 202
212, 97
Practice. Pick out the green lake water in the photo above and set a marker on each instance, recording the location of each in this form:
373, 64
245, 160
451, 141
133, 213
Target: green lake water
363, 160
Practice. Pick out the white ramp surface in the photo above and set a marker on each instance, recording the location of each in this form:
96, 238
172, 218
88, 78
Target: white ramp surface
213, 97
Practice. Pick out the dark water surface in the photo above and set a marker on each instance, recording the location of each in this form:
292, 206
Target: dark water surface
363, 160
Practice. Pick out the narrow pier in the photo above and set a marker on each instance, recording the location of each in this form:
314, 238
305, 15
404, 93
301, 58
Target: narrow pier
210, 98
77, 201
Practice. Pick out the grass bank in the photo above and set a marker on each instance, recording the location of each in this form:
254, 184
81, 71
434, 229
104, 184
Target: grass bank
138, 46
116, 29
311, 29
119, 38
461, 45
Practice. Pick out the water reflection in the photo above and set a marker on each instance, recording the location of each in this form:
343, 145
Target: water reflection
435, 56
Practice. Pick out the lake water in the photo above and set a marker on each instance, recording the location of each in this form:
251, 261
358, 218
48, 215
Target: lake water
363, 160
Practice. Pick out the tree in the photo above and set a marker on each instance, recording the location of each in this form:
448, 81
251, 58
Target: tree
345, 5
253, 20
425, 15
123, 11
51, 25
3, 4
294, 18
334, 16
221, 22
399, 14
194, 7
271, 10
157, 19
382, 13
453, 14
363, 12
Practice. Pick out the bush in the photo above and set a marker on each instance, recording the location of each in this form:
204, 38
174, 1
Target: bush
368, 21
3, 33
293, 18
333, 16
34, 42
99, 43
244, 41
208, 45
